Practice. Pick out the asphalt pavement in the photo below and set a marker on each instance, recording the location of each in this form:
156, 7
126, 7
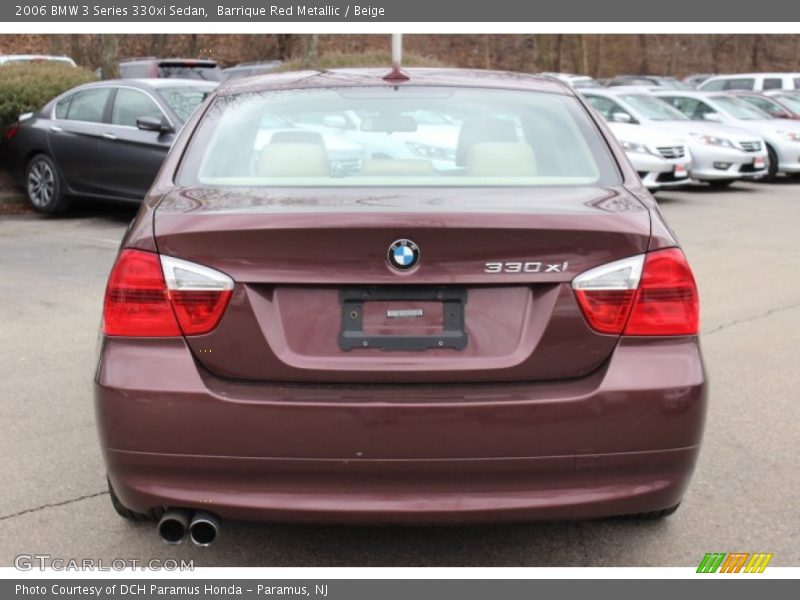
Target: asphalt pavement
743, 244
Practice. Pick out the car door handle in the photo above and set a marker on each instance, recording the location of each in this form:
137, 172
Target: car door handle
109, 136
56, 129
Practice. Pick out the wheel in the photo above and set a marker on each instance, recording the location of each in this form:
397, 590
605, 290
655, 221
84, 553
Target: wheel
127, 513
43, 186
652, 515
720, 183
772, 164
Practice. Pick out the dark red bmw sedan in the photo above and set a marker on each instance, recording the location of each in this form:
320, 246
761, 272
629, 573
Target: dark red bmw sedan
433, 298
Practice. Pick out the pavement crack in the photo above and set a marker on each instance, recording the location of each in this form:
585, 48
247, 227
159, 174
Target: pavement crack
758, 317
52, 505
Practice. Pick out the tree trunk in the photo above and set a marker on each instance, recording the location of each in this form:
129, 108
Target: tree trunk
559, 51
756, 51
310, 51
644, 65
109, 55
75, 50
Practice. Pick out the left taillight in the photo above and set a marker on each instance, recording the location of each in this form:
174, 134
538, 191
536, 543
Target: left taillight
651, 294
160, 296
11, 132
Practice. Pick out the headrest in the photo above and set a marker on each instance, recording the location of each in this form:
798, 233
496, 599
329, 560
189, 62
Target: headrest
297, 137
501, 159
293, 160
482, 129
388, 166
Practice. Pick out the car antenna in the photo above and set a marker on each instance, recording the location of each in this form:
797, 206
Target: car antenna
397, 73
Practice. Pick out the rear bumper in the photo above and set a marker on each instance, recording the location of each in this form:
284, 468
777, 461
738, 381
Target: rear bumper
622, 440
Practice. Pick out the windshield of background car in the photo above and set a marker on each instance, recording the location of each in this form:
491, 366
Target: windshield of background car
184, 99
586, 83
390, 136
653, 108
739, 109
790, 100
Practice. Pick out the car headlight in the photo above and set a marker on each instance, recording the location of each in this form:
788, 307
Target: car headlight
792, 136
712, 140
634, 147
431, 152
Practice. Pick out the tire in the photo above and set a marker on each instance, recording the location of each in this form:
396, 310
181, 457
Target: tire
652, 515
129, 514
772, 164
720, 183
43, 186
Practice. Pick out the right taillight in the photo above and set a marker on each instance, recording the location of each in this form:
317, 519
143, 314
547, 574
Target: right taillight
159, 296
650, 294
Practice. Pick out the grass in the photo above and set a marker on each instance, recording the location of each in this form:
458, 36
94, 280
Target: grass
339, 60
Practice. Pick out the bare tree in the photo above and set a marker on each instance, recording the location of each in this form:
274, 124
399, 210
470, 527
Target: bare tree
644, 64
109, 55
559, 49
310, 50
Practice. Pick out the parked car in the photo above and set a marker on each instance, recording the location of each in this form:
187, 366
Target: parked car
104, 139
751, 81
670, 83
772, 105
782, 136
659, 159
720, 154
13, 59
249, 69
576, 81
434, 136
170, 68
790, 99
516, 339
696, 79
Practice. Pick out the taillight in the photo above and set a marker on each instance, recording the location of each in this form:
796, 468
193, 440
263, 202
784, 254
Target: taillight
667, 302
649, 294
199, 294
151, 297
11, 132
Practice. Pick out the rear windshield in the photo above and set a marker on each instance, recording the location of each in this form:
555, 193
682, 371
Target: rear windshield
209, 73
407, 136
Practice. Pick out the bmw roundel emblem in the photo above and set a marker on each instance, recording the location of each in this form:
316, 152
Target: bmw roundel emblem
403, 254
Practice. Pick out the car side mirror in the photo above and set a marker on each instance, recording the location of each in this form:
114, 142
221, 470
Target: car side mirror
781, 114
713, 117
622, 117
153, 124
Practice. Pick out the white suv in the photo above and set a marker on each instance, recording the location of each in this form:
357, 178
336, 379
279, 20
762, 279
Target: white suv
751, 81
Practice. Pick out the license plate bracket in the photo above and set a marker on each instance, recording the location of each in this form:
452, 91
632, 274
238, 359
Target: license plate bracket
453, 334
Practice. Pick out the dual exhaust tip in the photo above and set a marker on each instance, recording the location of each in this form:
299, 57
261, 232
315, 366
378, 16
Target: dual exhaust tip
202, 527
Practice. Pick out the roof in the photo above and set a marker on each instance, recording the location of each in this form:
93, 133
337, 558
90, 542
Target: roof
153, 83
737, 75
374, 77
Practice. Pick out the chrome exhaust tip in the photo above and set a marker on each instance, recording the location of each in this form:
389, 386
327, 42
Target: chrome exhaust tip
204, 528
173, 525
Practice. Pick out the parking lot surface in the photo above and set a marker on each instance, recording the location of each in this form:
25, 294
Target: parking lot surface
745, 496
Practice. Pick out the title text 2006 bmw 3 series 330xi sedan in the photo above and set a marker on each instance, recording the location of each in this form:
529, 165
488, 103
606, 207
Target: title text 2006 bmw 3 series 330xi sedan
480, 315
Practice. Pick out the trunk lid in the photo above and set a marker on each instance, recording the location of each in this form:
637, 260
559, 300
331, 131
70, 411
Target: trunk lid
307, 261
